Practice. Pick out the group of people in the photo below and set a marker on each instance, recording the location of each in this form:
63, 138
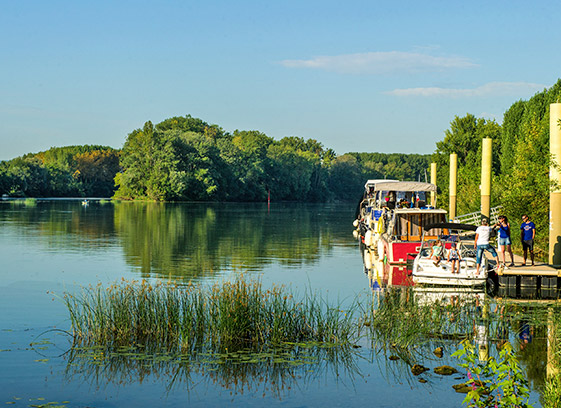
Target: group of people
454, 256
482, 237
483, 234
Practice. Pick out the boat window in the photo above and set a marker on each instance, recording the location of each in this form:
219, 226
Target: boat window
416, 225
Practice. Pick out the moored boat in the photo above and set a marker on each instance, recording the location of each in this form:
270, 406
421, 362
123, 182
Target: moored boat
404, 213
427, 271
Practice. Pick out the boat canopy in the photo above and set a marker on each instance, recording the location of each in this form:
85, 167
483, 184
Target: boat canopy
404, 186
373, 183
451, 226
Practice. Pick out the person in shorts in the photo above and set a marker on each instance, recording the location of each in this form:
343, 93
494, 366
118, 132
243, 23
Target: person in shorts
482, 235
527, 235
454, 258
504, 239
436, 254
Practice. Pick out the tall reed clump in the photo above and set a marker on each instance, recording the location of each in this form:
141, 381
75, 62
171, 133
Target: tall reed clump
236, 314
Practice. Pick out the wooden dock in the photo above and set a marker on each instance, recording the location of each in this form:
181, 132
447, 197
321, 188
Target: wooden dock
538, 281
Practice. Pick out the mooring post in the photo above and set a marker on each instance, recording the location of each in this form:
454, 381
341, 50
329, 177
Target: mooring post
433, 181
486, 166
555, 192
453, 183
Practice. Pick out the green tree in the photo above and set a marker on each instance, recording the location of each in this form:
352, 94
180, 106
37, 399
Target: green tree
465, 139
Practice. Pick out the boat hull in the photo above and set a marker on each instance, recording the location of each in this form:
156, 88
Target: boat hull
425, 272
399, 253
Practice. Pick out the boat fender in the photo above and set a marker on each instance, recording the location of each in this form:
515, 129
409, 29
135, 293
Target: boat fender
367, 259
368, 238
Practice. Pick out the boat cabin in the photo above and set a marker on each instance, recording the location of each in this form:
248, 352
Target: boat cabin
407, 224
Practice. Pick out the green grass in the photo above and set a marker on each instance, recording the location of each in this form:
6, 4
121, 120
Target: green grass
231, 315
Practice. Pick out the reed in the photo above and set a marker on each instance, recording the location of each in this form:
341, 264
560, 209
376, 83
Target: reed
232, 315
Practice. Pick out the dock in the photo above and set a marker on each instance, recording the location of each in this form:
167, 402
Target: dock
538, 281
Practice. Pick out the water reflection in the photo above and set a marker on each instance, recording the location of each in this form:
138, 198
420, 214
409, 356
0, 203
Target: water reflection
410, 322
186, 240
274, 372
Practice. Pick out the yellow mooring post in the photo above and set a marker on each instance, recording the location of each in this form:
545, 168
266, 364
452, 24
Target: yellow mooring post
486, 156
555, 193
453, 183
433, 181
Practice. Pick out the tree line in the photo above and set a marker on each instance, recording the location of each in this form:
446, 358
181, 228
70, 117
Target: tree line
72, 171
188, 159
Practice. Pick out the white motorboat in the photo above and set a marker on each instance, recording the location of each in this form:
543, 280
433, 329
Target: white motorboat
425, 271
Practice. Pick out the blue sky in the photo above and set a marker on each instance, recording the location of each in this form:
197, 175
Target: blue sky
355, 75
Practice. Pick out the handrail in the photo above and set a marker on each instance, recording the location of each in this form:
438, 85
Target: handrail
474, 218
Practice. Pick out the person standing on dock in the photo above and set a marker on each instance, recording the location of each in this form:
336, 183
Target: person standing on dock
482, 235
504, 240
527, 235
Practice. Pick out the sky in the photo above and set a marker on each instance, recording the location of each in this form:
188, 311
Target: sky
366, 76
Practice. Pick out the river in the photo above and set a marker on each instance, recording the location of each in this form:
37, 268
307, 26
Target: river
52, 247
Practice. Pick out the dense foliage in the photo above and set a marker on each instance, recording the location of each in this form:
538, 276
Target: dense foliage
72, 171
184, 158
521, 162
187, 159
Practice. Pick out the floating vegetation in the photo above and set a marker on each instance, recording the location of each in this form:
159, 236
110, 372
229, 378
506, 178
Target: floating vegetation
225, 317
30, 202
104, 201
275, 370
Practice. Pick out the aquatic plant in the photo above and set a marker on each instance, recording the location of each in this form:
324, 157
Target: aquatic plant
276, 370
231, 315
494, 383
551, 395
402, 320
30, 202
104, 201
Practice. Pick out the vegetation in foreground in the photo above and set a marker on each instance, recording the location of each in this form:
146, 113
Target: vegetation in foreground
245, 334
227, 316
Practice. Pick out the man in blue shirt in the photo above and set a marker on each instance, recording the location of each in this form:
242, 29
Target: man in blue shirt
527, 235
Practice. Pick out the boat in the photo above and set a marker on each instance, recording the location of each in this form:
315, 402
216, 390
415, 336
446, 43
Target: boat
369, 211
382, 275
402, 215
427, 272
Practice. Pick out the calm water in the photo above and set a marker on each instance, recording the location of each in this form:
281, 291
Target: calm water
57, 247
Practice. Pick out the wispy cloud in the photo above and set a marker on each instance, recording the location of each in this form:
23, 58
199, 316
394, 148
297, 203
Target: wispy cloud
490, 89
381, 63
